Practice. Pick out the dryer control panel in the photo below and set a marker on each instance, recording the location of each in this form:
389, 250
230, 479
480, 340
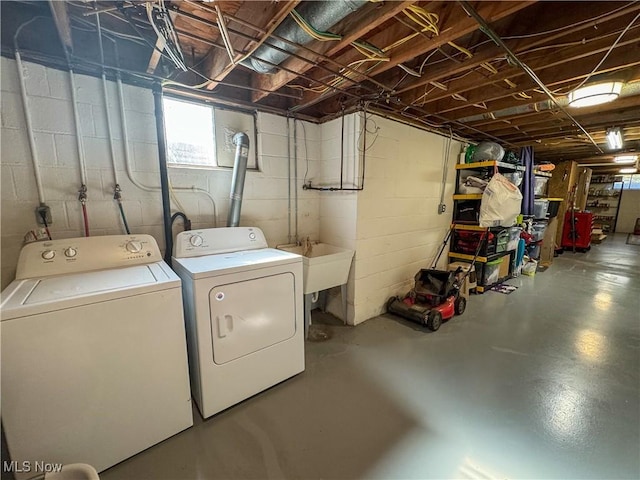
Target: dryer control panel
211, 241
85, 254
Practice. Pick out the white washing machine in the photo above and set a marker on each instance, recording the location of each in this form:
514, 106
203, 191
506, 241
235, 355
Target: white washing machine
244, 314
94, 360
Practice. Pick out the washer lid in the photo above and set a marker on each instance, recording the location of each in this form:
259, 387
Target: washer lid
65, 286
210, 265
33, 296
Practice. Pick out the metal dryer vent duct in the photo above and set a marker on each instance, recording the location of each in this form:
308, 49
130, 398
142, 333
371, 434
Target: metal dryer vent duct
322, 15
241, 141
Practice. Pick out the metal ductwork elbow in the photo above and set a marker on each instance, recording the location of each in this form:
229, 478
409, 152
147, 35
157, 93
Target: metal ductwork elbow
241, 141
322, 15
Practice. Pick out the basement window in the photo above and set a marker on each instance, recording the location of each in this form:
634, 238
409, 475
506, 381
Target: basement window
200, 135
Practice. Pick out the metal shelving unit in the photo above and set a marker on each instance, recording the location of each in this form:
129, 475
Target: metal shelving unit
468, 225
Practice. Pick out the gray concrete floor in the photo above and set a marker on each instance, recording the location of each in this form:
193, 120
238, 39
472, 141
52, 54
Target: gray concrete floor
541, 383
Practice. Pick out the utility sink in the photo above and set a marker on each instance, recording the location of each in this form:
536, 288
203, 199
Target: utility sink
326, 266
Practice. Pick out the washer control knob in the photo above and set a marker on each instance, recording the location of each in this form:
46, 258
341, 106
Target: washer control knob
252, 236
134, 246
70, 252
48, 254
196, 240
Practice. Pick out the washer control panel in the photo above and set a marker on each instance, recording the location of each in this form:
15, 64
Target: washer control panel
211, 241
72, 255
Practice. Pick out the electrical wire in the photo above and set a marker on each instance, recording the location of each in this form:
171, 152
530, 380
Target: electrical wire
606, 55
161, 23
559, 29
225, 34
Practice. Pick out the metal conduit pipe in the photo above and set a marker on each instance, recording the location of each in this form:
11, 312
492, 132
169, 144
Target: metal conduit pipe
321, 14
241, 141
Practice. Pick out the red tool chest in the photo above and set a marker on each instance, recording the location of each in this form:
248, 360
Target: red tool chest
576, 230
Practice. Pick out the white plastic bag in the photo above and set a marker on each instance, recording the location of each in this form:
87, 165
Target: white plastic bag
500, 204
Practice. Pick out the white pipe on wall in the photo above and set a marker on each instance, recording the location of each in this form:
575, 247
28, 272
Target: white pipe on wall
27, 117
76, 118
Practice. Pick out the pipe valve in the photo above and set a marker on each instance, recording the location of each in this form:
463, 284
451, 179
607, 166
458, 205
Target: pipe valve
82, 194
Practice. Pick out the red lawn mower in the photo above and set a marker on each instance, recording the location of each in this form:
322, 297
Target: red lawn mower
435, 296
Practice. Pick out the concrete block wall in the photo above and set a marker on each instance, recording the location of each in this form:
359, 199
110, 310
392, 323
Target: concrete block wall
399, 230
393, 224
265, 205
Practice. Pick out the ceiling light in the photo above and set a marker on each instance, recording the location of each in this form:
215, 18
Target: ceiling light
628, 170
595, 94
625, 158
614, 138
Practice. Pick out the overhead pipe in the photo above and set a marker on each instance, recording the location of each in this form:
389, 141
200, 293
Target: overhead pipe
321, 14
241, 141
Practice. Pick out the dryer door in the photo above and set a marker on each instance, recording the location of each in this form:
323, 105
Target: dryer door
251, 315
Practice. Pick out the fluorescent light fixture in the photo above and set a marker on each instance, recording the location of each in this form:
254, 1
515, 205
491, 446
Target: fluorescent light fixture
614, 138
628, 170
625, 158
595, 94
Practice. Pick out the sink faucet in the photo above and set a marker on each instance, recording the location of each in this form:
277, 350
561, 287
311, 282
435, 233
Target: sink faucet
307, 247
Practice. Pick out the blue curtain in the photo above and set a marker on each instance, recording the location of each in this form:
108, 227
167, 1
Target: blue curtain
528, 182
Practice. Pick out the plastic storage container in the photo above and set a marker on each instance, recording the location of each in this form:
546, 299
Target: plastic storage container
514, 237
466, 241
538, 229
534, 250
492, 271
540, 187
540, 208
554, 206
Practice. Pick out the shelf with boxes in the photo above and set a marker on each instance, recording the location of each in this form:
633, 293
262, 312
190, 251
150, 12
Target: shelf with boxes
466, 201
603, 200
496, 249
496, 246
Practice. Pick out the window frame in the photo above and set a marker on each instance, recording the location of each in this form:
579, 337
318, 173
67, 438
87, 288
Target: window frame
215, 106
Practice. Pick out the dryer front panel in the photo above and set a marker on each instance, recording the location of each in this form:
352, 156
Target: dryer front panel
251, 315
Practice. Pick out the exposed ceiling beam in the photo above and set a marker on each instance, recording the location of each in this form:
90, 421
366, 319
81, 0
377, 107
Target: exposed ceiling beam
522, 45
266, 14
355, 28
451, 28
476, 78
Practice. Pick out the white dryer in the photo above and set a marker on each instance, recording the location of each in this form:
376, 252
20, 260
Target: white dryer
94, 360
244, 314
